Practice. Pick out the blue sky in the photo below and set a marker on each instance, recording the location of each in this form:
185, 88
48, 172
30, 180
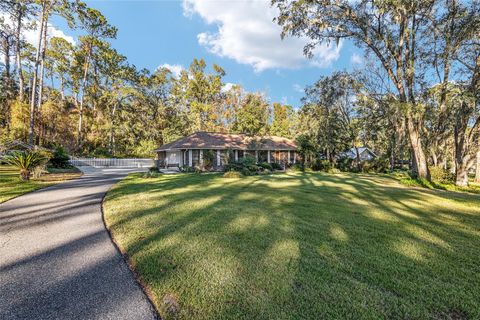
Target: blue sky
237, 35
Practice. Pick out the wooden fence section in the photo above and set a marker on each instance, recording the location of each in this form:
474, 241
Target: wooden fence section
111, 162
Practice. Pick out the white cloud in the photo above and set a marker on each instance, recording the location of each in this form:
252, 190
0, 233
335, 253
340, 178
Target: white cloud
227, 86
31, 35
176, 69
356, 59
246, 33
298, 88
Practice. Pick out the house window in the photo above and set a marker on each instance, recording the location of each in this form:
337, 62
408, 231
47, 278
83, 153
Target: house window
240, 154
250, 153
292, 156
195, 158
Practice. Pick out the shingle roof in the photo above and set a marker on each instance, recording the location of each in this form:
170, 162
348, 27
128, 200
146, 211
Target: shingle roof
213, 140
352, 153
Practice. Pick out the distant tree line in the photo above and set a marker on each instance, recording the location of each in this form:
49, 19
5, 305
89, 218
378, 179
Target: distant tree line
87, 97
419, 91
416, 100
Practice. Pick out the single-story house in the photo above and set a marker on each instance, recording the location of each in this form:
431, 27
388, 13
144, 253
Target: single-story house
189, 151
364, 152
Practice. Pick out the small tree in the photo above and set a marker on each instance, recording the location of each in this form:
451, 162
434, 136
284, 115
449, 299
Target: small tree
60, 158
208, 159
26, 161
306, 149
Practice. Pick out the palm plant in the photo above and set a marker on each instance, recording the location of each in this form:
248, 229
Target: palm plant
26, 161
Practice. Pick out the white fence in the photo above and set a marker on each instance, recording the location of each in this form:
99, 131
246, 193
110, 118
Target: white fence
111, 162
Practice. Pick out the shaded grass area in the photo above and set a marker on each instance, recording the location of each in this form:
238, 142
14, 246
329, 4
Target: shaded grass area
11, 186
299, 246
404, 179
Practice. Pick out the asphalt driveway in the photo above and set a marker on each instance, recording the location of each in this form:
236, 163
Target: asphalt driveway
57, 260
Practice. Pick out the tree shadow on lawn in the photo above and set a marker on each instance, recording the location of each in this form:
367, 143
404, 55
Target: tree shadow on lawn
302, 246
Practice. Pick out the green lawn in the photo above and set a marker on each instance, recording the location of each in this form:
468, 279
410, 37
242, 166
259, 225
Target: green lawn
299, 246
11, 186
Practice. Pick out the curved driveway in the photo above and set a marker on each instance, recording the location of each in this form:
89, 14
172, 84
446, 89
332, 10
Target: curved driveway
57, 260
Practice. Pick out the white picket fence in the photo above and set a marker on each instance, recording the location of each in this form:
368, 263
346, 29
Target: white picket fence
111, 162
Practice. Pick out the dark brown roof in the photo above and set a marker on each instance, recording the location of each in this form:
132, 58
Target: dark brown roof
212, 140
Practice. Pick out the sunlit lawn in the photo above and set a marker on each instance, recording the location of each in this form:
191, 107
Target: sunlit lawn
300, 246
11, 186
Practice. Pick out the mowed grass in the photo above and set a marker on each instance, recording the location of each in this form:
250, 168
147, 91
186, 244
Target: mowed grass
299, 246
11, 186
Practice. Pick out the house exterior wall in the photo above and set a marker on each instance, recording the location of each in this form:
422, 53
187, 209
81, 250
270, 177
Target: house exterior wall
167, 159
366, 156
195, 157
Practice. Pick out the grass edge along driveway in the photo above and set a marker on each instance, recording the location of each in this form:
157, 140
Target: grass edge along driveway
11, 186
299, 246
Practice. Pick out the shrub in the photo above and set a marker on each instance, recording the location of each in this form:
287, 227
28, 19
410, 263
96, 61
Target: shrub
276, 166
247, 172
151, 174
379, 165
247, 161
233, 166
439, 174
187, 169
266, 166
245, 165
344, 164
420, 182
334, 170
316, 165
232, 174
26, 161
298, 167
59, 158
255, 168
153, 169
367, 166
326, 165
101, 152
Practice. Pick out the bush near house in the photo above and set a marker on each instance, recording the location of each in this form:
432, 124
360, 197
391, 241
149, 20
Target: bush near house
248, 166
59, 158
439, 174
232, 174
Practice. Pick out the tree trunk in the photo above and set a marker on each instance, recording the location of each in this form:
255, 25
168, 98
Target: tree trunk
31, 132
6, 48
18, 52
419, 161
62, 89
112, 132
84, 84
359, 165
461, 154
392, 151
41, 77
477, 170
434, 157
461, 176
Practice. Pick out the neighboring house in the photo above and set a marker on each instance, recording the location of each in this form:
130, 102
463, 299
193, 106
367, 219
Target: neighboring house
188, 151
365, 154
